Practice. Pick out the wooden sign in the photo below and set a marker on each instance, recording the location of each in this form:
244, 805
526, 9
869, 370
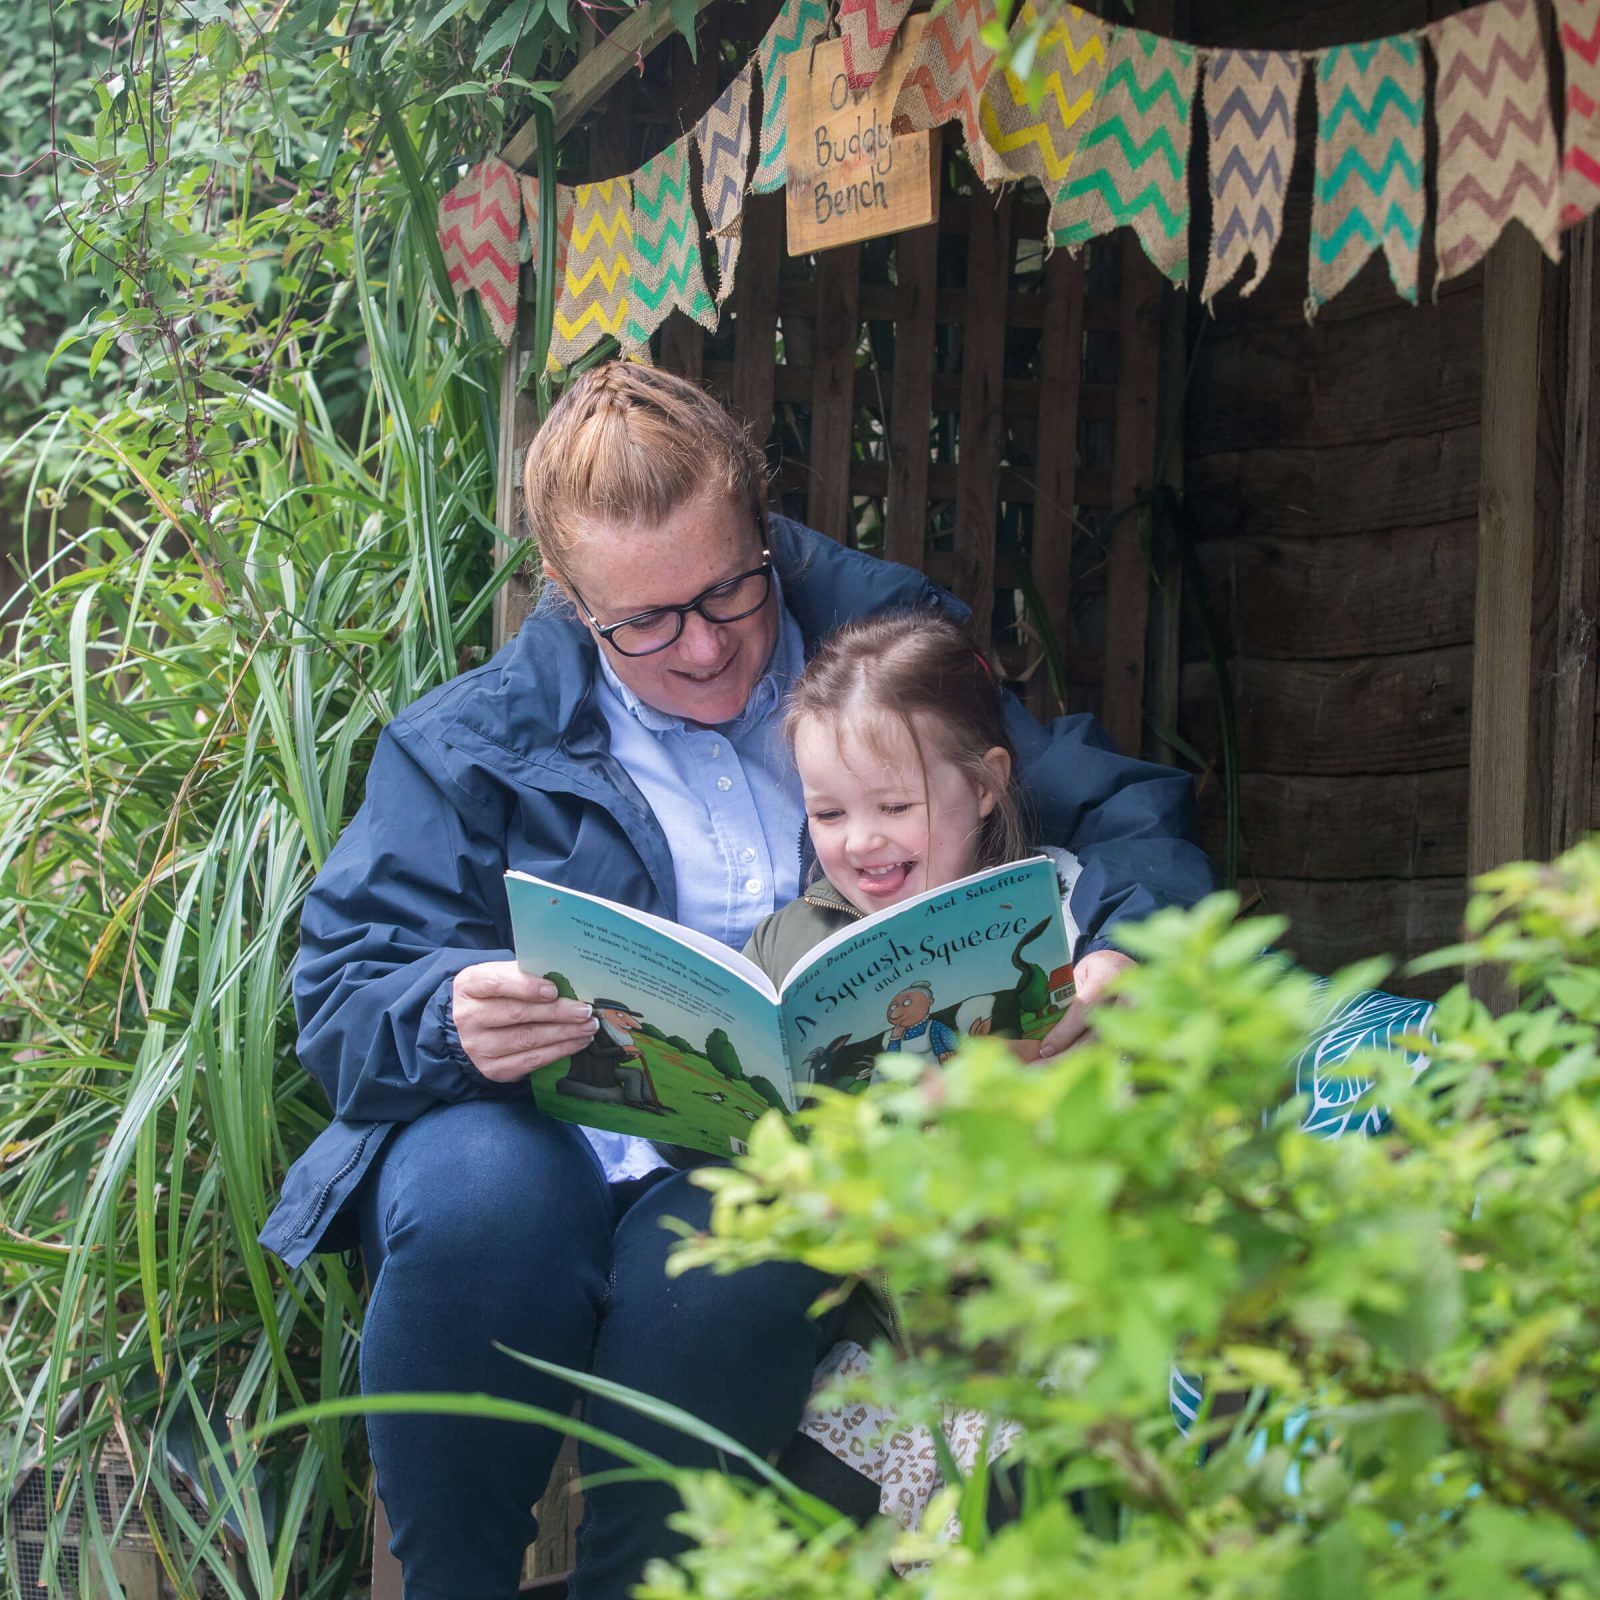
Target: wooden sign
848, 176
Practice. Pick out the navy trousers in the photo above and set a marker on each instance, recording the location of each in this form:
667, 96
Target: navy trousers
486, 1222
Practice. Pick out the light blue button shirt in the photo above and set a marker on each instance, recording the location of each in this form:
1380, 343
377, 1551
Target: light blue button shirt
728, 800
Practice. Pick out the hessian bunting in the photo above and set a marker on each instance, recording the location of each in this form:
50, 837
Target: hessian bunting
1072, 60
530, 209
723, 135
1250, 100
797, 26
478, 223
666, 249
867, 28
1133, 165
1497, 145
1369, 184
595, 287
1580, 53
945, 83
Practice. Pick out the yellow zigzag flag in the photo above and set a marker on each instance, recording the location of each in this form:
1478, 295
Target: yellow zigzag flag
1072, 60
598, 279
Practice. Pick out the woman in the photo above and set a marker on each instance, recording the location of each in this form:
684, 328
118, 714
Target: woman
624, 743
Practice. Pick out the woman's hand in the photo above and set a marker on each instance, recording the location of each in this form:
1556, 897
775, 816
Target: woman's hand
511, 1023
1090, 977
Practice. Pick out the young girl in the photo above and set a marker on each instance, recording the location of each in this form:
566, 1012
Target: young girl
898, 731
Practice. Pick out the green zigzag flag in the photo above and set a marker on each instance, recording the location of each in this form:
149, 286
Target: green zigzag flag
1369, 189
1132, 167
799, 24
667, 275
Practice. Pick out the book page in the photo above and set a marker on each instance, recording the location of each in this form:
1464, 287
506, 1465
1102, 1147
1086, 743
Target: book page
988, 954
689, 1052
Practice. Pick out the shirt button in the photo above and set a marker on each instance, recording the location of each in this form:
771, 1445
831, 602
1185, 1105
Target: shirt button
716, 749
747, 855
752, 886
724, 784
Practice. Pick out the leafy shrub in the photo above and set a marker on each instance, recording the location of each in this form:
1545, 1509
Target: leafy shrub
1410, 1318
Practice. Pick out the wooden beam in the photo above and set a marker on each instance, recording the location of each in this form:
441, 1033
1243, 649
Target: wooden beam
519, 421
612, 58
1573, 758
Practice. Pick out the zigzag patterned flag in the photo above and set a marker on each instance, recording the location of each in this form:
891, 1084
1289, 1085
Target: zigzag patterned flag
530, 209
599, 271
797, 25
478, 223
867, 28
1133, 167
1580, 50
723, 135
666, 250
1369, 189
1250, 99
1497, 146
945, 82
1041, 144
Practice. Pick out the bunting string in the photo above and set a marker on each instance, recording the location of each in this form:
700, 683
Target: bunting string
1110, 139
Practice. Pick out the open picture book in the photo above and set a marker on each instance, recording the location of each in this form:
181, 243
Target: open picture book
695, 1043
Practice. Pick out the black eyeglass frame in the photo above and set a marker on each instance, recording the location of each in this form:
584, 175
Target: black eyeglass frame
606, 630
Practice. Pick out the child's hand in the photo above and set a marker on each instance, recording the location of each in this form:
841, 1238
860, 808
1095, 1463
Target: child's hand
1090, 977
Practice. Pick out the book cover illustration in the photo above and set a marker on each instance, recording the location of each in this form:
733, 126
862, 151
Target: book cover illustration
694, 1043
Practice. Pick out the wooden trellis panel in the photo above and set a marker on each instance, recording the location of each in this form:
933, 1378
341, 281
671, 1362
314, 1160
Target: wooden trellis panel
954, 397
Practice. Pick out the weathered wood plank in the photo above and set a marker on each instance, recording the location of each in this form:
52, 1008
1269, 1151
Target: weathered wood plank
1132, 476
1272, 23
1372, 378
982, 436
1333, 924
755, 313
1357, 595
1304, 492
1391, 825
1573, 792
1056, 454
1024, 308
1403, 713
916, 256
833, 390
635, 37
519, 421
944, 477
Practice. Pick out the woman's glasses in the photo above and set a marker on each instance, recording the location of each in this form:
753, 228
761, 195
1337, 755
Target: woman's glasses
649, 631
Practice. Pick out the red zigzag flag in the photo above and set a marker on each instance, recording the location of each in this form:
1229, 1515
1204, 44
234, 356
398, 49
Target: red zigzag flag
867, 28
478, 222
1580, 50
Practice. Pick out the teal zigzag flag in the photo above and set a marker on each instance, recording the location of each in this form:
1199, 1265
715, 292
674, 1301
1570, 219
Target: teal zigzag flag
1132, 167
667, 275
799, 24
1369, 190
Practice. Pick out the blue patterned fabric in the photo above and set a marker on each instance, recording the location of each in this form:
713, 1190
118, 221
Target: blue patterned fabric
1339, 1103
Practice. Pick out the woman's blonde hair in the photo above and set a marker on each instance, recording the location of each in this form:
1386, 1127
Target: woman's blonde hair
920, 671
628, 443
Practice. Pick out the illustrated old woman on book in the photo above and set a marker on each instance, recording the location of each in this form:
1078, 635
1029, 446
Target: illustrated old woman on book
627, 743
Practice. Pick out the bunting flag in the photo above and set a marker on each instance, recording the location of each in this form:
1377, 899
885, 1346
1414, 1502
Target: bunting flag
1369, 186
797, 26
867, 28
1133, 166
530, 209
1497, 145
1072, 60
478, 223
723, 135
1580, 51
666, 250
944, 83
599, 271
1250, 100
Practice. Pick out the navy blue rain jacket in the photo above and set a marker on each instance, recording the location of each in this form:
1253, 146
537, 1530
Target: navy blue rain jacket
509, 766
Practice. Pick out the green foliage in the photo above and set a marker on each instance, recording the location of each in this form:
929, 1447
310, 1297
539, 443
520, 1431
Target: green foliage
1407, 1315
720, 1053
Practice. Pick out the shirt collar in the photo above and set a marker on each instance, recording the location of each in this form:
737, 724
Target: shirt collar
788, 657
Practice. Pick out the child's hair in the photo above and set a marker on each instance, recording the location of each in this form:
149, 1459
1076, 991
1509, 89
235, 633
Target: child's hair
630, 443
919, 670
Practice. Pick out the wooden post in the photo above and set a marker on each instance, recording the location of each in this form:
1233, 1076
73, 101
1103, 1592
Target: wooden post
519, 421
833, 390
1516, 537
